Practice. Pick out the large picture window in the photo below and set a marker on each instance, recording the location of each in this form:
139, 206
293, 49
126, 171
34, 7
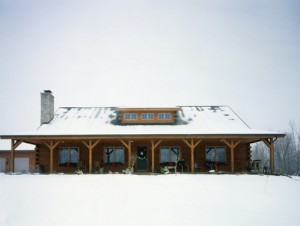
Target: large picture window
114, 155
68, 156
169, 154
216, 155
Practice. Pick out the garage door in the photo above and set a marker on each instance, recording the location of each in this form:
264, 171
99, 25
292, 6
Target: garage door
2, 165
22, 165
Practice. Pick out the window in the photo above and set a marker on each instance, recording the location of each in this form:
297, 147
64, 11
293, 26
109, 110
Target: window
147, 116
114, 155
130, 116
164, 116
216, 155
68, 156
169, 154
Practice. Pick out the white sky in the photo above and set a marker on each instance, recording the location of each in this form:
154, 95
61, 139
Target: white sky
244, 54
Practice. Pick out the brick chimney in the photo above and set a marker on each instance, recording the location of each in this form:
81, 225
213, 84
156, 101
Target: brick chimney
47, 106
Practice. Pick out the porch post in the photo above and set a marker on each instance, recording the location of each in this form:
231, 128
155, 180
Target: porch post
51, 156
91, 146
272, 156
232, 146
270, 144
51, 146
14, 145
153, 146
128, 146
192, 156
192, 146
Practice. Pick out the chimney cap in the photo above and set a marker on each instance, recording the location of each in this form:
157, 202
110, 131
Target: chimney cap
47, 91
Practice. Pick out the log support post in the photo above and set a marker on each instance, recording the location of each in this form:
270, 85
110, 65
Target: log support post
153, 146
14, 145
192, 144
51, 147
270, 144
128, 146
90, 145
232, 145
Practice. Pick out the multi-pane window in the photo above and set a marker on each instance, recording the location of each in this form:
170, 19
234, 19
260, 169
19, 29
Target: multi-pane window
114, 155
169, 154
216, 155
68, 156
147, 116
164, 116
130, 116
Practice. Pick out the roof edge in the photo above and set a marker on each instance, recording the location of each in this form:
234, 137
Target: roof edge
268, 135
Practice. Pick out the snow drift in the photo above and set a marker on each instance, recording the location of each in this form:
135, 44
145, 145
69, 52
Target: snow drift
149, 200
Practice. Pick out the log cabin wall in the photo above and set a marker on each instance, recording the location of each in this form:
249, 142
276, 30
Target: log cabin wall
242, 157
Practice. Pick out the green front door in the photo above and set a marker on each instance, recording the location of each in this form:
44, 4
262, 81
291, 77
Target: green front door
141, 158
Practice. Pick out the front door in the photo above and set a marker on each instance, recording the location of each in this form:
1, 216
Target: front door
141, 158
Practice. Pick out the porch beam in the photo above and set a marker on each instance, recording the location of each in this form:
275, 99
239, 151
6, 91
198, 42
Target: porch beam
90, 145
232, 145
192, 146
128, 146
14, 145
153, 147
51, 146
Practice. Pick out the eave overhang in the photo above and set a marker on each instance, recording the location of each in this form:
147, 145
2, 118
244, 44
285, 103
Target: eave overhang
97, 136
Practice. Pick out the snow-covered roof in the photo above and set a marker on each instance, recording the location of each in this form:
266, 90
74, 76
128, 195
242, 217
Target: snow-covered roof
103, 121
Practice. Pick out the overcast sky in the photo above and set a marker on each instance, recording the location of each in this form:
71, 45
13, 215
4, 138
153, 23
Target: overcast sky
245, 54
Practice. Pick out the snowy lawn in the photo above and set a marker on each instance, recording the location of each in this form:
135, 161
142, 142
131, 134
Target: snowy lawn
149, 200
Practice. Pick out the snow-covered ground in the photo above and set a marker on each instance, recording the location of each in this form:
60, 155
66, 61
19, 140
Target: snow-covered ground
131, 200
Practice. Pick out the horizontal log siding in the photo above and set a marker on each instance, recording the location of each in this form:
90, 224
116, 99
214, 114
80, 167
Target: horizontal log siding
241, 157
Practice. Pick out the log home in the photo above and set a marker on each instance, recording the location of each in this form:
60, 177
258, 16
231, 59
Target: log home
113, 138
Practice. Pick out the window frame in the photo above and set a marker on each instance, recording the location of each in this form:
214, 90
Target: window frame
164, 116
147, 116
130, 116
216, 155
115, 157
68, 161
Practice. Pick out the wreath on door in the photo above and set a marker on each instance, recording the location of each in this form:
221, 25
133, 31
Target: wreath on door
141, 155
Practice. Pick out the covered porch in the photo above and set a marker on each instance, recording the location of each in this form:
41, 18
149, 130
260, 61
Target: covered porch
145, 153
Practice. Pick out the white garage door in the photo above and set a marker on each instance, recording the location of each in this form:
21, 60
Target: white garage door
22, 165
2, 165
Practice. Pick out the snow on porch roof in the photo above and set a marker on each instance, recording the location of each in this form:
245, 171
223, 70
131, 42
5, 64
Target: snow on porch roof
103, 121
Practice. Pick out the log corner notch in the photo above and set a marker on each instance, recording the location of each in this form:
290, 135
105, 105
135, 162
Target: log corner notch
91, 145
232, 145
192, 144
270, 143
14, 145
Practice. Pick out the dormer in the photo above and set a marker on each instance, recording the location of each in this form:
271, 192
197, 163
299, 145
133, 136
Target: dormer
147, 116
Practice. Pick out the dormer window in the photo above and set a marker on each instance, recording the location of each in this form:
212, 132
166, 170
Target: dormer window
164, 116
147, 116
130, 116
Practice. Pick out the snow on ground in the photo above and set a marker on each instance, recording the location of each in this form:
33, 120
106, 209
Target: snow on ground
142, 200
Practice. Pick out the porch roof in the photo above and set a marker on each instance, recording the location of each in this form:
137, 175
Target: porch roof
103, 121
